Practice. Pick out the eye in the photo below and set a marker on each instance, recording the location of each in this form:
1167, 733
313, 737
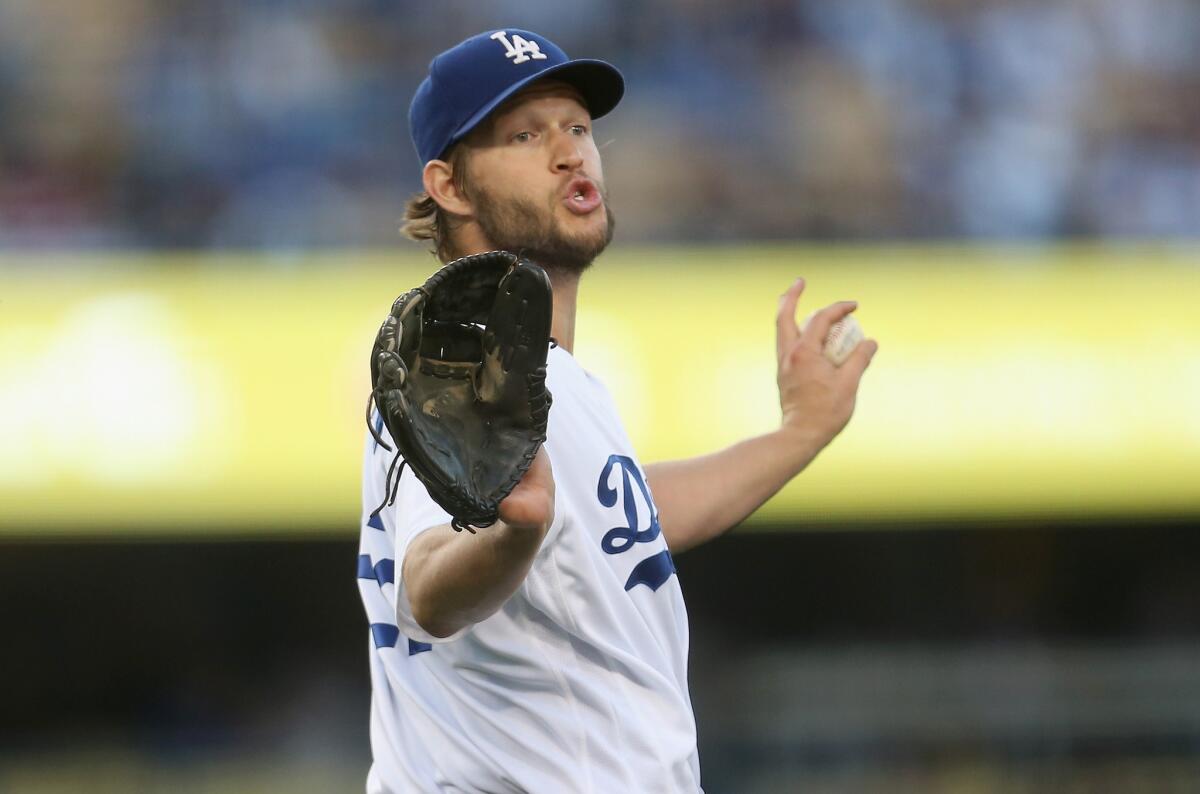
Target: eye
522, 137
578, 129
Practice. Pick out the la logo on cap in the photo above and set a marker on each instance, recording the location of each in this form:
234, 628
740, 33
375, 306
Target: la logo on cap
519, 49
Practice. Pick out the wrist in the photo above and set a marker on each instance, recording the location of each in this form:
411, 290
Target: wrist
801, 442
520, 535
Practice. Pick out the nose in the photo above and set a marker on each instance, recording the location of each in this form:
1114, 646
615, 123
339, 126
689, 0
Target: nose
567, 157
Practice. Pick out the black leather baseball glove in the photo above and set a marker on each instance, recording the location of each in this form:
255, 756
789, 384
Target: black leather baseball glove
458, 373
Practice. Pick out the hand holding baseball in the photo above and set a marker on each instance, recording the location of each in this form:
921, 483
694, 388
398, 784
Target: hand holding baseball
820, 366
842, 339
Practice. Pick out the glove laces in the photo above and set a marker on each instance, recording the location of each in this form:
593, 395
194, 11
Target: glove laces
390, 487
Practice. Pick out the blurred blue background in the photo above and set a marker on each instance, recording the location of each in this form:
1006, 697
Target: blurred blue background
931, 656
283, 124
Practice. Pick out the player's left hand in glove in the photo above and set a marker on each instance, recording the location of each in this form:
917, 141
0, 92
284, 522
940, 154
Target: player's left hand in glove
458, 373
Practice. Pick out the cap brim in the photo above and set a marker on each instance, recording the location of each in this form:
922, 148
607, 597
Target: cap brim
600, 83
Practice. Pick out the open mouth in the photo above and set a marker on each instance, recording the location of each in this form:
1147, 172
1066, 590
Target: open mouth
582, 196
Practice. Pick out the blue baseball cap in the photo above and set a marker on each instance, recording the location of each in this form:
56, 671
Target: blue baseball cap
469, 80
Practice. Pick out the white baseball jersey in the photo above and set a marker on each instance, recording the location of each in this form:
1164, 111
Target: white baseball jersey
579, 682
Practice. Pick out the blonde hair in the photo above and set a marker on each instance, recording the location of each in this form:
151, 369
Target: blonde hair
424, 218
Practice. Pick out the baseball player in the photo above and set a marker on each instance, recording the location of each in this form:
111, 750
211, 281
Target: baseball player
548, 652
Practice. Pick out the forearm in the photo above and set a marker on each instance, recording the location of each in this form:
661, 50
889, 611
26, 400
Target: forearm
699, 498
456, 579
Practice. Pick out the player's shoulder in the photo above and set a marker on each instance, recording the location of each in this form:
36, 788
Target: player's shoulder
564, 370
579, 394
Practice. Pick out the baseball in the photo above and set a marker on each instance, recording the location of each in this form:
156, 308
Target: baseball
843, 337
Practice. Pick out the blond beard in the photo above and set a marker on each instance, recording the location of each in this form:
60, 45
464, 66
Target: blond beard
517, 225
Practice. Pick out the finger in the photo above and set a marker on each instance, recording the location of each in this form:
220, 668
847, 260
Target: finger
817, 330
516, 339
786, 330
518, 324
854, 366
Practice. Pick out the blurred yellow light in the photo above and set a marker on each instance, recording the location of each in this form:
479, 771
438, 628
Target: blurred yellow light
219, 395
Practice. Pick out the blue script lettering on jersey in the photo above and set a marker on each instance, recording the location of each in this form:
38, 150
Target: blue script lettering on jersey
654, 570
619, 539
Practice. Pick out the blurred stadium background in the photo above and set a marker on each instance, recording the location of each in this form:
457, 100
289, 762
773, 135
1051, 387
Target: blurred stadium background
991, 582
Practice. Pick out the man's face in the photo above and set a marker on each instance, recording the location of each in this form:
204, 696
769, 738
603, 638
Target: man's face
536, 182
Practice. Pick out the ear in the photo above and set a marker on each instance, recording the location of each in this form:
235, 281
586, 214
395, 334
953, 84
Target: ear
438, 178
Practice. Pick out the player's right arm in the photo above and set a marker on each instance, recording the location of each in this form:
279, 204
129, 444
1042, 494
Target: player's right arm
455, 579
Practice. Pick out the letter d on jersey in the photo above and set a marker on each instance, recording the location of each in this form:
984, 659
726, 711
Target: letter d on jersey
619, 539
653, 570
